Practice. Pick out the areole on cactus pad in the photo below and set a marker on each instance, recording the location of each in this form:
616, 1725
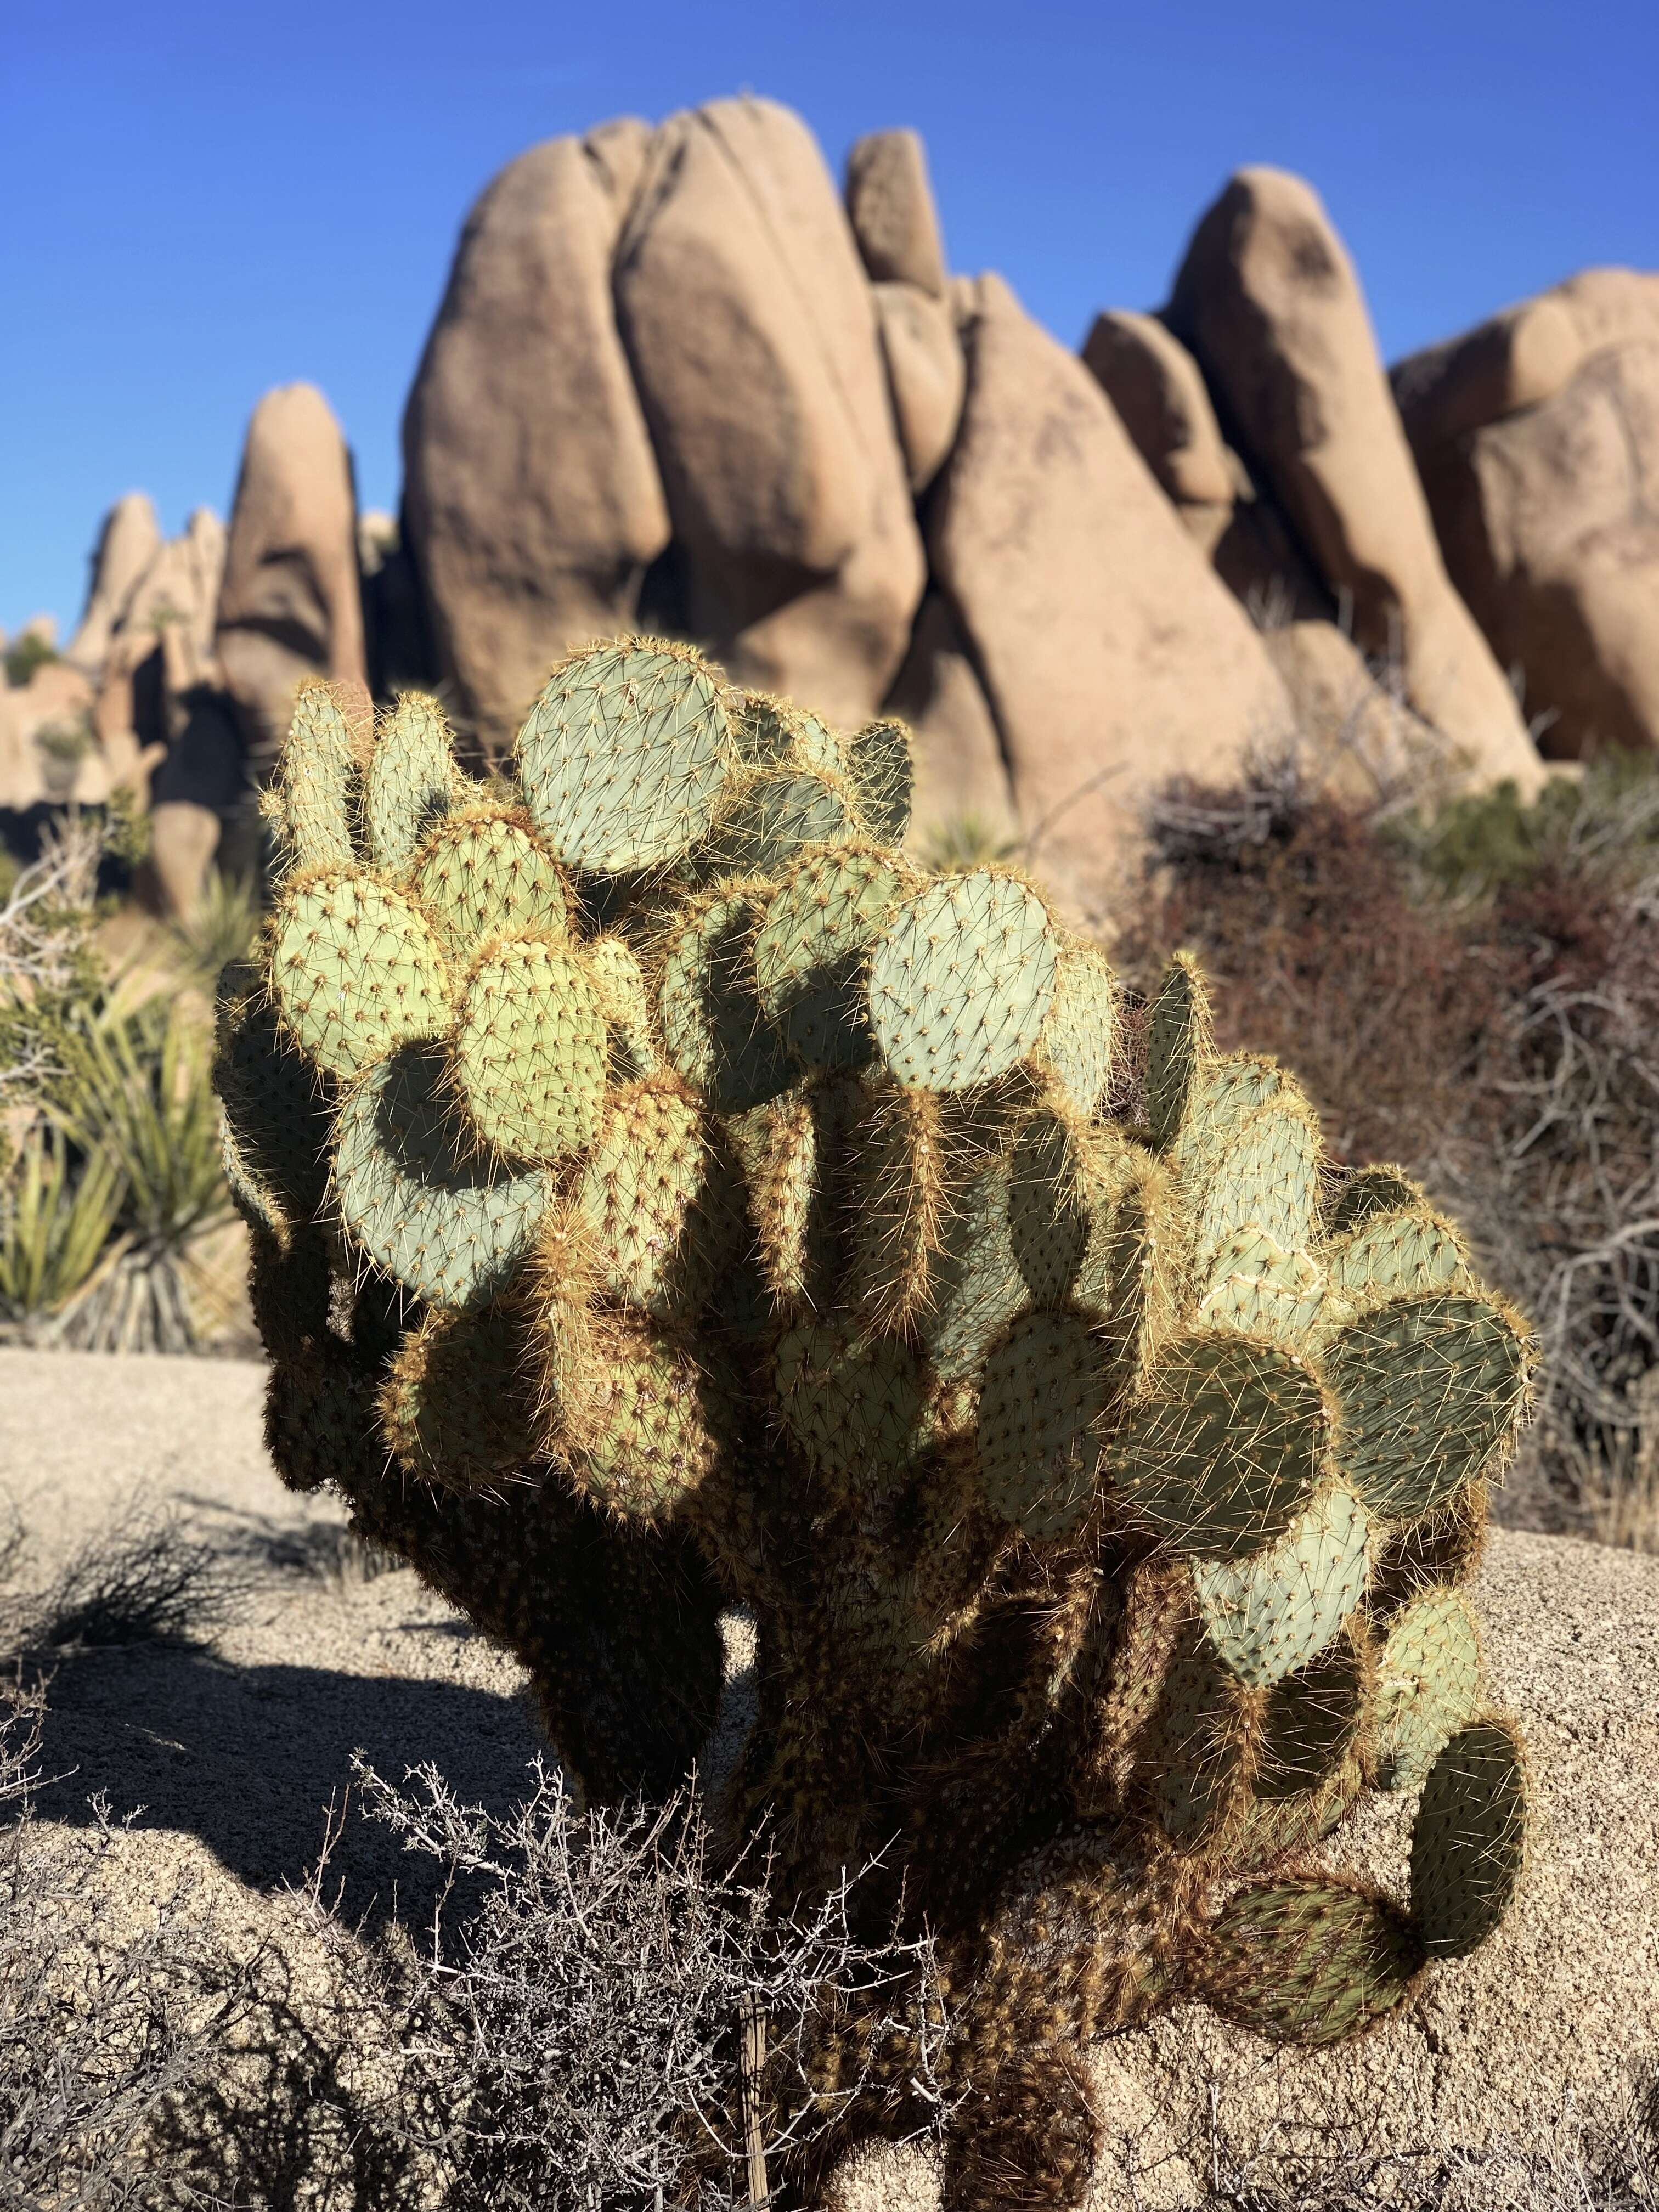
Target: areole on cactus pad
667, 1196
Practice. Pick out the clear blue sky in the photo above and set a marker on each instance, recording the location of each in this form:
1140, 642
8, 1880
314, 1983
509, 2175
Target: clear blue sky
198, 200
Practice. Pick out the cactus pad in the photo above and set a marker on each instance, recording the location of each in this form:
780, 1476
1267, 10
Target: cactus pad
1271, 1614
1390, 1254
1039, 1405
1178, 1031
642, 1191
811, 951
771, 819
317, 783
976, 1287
624, 755
962, 983
1429, 1392
1226, 1447
277, 1109
1428, 1687
482, 873
530, 1050
1077, 1039
357, 972
882, 776
633, 1422
717, 1032
1266, 1179
1470, 1839
412, 781
1307, 1961
857, 1411
418, 1195
618, 981
456, 1404
1261, 1289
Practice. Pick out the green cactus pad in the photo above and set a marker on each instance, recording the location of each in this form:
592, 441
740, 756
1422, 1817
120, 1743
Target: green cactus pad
1272, 1613
483, 873
793, 1151
1266, 1179
1469, 1839
319, 1424
1082, 1025
1391, 1253
624, 755
636, 1423
1178, 1033
1039, 1404
530, 1050
767, 821
357, 972
457, 1402
1428, 1687
418, 1194
1307, 1961
977, 1288
643, 1190
278, 1110
411, 781
1194, 1749
903, 1205
1429, 1392
856, 1410
769, 733
962, 983
882, 771
811, 949
1055, 1187
1435, 1552
1309, 1723
717, 1034
1261, 1289
1226, 1447
317, 783
618, 981
1361, 1192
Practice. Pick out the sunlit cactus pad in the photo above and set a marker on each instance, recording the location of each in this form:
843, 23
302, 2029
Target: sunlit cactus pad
667, 1196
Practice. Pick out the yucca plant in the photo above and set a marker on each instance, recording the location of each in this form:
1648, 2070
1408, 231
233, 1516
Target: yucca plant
58, 1228
223, 928
136, 1095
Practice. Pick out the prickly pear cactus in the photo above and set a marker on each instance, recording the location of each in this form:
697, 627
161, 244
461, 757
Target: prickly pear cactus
666, 1197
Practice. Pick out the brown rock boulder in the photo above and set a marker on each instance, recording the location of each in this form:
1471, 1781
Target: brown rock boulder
889, 203
1158, 392
1112, 656
753, 335
962, 777
531, 502
1269, 303
1537, 438
127, 545
175, 600
926, 375
289, 604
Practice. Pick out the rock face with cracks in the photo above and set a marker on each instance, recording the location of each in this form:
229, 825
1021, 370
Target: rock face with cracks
663, 1197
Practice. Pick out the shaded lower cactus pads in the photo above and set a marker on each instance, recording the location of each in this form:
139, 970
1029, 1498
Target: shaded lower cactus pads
665, 1199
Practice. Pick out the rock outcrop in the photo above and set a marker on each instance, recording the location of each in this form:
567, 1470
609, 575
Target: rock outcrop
1537, 438
1111, 655
127, 545
962, 775
533, 505
1269, 303
289, 604
754, 344
890, 204
1546, 2029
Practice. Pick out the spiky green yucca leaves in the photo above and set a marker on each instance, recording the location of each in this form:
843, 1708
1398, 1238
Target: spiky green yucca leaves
661, 1186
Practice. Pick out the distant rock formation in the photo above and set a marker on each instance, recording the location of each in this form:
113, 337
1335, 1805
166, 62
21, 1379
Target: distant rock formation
678, 382
1537, 438
290, 603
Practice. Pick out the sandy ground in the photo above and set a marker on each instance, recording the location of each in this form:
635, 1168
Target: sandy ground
241, 1742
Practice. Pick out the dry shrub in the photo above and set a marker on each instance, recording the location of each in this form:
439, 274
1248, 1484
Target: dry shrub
1474, 995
